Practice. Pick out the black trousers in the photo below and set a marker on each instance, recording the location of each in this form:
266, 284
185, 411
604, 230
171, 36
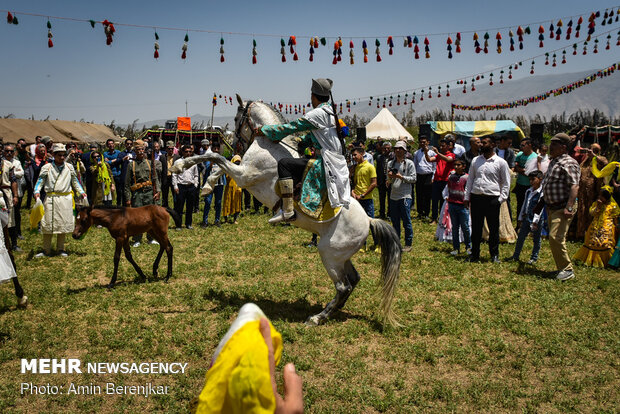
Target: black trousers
18, 216
481, 207
186, 196
424, 190
384, 194
165, 190
247, 200
292, 168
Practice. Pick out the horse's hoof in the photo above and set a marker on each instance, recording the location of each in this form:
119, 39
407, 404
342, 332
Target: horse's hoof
110, 286
139, 280
166, 279
316, 320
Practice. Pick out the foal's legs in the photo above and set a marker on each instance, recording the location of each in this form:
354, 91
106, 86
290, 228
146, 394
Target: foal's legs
160, 240
127, 249
117, 257
169, 253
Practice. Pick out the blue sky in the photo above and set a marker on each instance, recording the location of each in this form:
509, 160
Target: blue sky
82, 78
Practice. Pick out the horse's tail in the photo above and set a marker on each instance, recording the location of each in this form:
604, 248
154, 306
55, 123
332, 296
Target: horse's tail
178, 222
388, 240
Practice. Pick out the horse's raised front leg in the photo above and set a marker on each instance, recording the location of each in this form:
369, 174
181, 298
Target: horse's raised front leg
117, 258
127, 249
161, 242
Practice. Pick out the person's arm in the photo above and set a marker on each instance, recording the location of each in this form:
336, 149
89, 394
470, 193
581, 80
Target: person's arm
469, 185
574, 175
429, 158
40, 181
446, 158
18, 170
372, 186
279, 132
175, 182
504, 190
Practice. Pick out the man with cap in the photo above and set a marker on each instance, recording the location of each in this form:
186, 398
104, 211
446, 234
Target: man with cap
204, 147
401, 174
141, 184
560, 186
382, 172
57, 178
323, 136
122, 160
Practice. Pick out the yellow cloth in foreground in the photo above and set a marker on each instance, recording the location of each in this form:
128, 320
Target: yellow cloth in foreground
232, 197
239, 380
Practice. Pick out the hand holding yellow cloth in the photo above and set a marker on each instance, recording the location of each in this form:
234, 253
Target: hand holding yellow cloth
36, 214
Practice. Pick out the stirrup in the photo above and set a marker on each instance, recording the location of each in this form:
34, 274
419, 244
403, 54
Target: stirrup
280, 217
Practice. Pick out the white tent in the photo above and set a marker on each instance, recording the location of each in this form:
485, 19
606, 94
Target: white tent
386, 126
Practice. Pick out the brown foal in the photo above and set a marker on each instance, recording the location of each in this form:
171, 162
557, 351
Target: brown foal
124, 222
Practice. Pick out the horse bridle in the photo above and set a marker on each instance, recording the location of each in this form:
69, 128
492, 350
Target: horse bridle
245, 118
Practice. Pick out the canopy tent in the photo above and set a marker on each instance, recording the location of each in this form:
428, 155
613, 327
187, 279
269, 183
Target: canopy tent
467, 129
386, 126
12, 129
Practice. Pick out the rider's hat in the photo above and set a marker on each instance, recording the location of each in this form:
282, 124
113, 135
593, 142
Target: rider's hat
321, 87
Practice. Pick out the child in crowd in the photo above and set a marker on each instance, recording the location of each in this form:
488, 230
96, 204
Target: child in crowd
530, 221
600, 237
459, 215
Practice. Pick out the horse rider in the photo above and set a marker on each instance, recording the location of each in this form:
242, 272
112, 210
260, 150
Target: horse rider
141, 184
57, 178
323, 136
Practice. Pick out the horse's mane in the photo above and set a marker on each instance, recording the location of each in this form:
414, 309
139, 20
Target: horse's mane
290, 140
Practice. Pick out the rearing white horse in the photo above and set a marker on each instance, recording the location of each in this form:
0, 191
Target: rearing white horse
340, 237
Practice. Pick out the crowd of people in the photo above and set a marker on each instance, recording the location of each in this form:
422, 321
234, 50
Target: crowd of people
560, 190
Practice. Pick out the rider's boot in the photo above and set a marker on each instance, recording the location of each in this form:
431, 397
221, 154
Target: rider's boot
287, 212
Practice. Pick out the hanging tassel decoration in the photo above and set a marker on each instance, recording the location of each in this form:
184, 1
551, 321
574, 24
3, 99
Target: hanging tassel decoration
554, 64
156, 46
108, 29
473, 85
49, 35
413, 98
465, 87
365, 51
335, 53
498, 37
520, 34
608, 45
9, 18
510, 72
595, 50
427, 48
486, 42
390, 105
312, 43
378, 51
254, 53
422, 95
591, 25
574, 48
569, 29
416, 49
563, 57
292, 41
541, 36
551, 31
339, 49
501, 76
409, 42
546, 58
222, 50
476, 43
429, 92
282, 51
578, 27
439, 91
184, 47
491, 79
351, 54
558, 31
447, 90
604, 21
390, 43
512, 40
585, 48
457, 42
449, 48
532, 68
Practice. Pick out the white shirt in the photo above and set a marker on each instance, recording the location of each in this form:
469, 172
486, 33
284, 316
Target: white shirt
488, 177
187, 177
459, 150
421, 165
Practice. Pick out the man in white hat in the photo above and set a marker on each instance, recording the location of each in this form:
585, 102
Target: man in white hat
57, 178
323, 136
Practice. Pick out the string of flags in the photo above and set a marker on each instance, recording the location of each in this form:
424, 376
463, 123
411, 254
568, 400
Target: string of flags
557, 29
541, 97
444, 89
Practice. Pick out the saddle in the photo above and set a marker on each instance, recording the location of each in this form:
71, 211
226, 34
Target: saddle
310, 195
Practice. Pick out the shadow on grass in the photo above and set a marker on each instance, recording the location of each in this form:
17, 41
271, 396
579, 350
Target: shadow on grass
290, 311
526, 269
117, 284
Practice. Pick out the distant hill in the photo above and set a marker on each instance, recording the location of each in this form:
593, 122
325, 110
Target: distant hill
603, 94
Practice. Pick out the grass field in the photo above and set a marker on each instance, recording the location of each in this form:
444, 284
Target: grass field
476, 337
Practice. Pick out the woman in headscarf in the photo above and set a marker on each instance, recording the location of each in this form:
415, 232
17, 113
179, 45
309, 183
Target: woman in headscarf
104, 191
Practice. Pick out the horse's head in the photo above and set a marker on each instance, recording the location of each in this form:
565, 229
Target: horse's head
243, 125
83, 221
